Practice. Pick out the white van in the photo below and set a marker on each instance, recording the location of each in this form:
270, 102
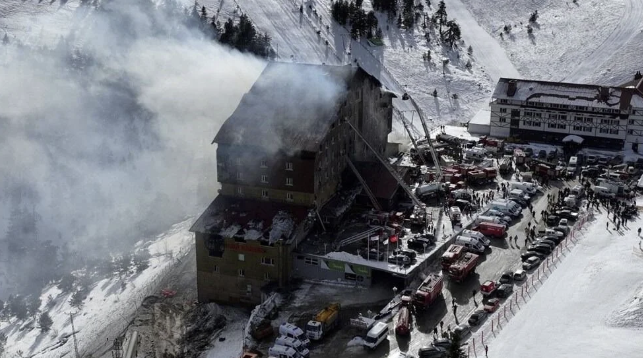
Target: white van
476, 235
293, 343
573, 162
489, 219
470, 244
602, 191
292, 331
519, 193
278, 351
376, 335
507, 207
529, 188
455, 214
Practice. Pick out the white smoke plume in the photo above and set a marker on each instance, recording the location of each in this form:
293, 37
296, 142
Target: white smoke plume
110, 129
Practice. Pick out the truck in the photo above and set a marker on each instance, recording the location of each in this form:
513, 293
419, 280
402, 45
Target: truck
455, 214
519, 157
489, 219
429, 189
403, 322
482, 176
323, 322
492, 229
461, 269
530, 188
506, 207
428, 291
505, 165
453, 253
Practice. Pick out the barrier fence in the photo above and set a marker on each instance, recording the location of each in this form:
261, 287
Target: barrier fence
522, 294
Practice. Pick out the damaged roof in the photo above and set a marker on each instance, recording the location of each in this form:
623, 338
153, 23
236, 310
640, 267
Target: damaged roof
227, 214
290, 106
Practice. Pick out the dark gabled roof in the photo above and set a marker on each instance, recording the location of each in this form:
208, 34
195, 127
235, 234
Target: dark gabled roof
290, 106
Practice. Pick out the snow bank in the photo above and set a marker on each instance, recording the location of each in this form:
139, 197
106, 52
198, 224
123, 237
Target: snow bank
355, 342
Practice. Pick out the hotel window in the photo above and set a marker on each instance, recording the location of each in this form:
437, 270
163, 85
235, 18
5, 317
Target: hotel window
264, 164
613, 131
290, 197
578, 128
502, 120
266, 276
551, 125
239, 191
215, 269
562, 126
311, 261
289, 181
288, 165
587, 129
248, 289
264, 179
267, 261
503, 110
630, 131
242, 257
242, 273
239, 176
264, 194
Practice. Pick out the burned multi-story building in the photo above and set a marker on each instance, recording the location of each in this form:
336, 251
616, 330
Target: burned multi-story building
279, 155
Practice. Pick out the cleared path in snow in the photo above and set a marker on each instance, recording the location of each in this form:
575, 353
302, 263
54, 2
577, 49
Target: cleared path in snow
624, 31
486, 50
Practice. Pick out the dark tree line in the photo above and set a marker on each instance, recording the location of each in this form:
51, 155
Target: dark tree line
449, 30
241, 35
363, 24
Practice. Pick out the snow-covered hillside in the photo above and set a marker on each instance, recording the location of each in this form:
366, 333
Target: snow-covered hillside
107, 310
590, 306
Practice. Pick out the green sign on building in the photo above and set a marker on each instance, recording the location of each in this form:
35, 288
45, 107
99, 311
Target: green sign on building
361, 270
335, 265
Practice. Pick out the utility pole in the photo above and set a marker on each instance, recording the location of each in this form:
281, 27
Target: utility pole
73, 333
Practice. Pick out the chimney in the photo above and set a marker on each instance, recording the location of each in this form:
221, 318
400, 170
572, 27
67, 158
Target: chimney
604, 94
512, 86
626, 98
638, 75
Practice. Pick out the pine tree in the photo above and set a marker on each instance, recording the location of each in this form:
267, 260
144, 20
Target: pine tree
77, 298
66, 283
33, 305
453, 33
470, 50
468, 65
441, 15
455, 349
45, 322
435, 93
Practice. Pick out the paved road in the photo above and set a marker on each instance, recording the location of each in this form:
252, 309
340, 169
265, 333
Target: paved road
501, 256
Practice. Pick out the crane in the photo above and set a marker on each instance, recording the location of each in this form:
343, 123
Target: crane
388, 167
408, 130
438, 170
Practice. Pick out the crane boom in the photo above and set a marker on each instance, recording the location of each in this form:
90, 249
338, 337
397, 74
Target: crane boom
428, 139
388, 167
413, 141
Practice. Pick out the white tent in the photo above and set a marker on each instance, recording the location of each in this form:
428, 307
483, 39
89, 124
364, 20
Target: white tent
573, 138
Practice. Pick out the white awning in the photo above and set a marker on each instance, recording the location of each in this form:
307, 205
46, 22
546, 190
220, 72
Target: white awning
573, 138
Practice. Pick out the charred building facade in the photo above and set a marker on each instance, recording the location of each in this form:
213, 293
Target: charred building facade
279, 155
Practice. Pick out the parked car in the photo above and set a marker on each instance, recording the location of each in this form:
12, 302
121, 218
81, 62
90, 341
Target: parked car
553, 238
520, 201
563, 222
504, 290
542, 154
418, 243
551, 155
603, 161
529, 152
372, 255
550, 244
531, 263
444, 343
499, 215
592, 159
527, 254
520, 275
507, 277
552, 220
462, 330
432, 352
399, 259
492, 305
542, 248
477, 317
410, 254
566, 214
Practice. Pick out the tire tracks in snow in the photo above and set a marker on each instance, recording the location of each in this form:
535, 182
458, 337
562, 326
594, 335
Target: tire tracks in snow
624, 31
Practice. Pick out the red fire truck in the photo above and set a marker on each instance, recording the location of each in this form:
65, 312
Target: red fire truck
460, 269
428, 291
403, 322
491, 229
453, 253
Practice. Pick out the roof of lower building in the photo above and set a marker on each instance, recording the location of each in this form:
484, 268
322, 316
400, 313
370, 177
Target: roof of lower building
572, 94
250, 219
290, 107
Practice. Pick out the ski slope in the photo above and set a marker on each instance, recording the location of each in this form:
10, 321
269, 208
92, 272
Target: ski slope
488, 51
626, 29
590, 306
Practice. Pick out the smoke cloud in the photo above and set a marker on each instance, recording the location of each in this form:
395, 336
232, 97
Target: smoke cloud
106, 134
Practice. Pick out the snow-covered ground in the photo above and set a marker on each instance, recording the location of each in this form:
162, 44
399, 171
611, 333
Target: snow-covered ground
106, 311
590, 305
